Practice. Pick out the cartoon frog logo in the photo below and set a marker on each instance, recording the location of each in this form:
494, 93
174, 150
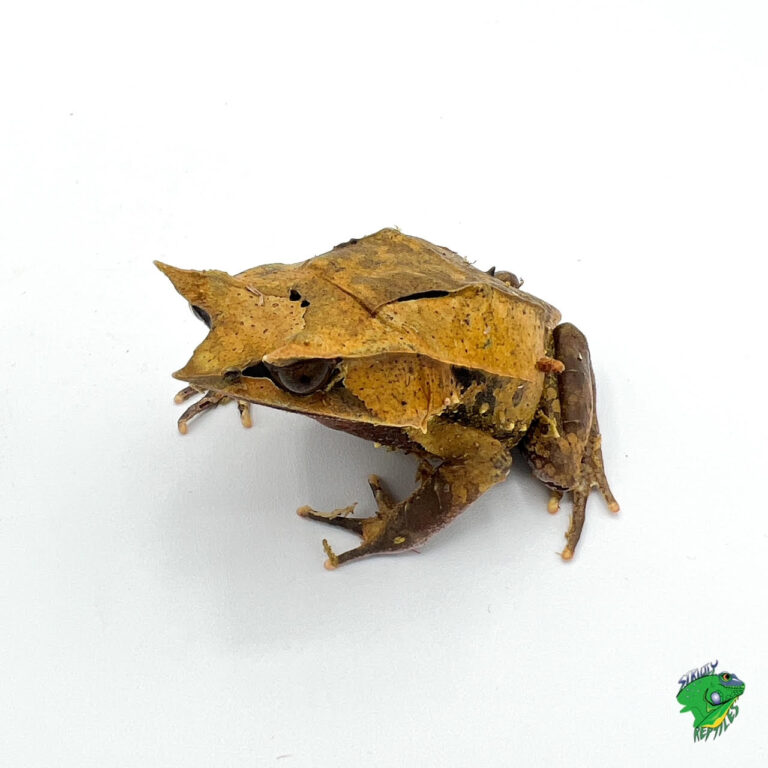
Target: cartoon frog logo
711, 698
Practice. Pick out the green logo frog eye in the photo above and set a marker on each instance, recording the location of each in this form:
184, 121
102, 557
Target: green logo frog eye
715, 697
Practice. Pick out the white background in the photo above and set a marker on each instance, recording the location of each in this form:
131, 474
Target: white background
161, 603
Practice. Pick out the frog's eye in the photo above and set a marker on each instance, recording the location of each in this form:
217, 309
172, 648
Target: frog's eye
304, 377
715, 698
201, 314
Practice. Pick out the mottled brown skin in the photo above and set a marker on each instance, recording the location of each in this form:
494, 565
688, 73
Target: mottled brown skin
396, 340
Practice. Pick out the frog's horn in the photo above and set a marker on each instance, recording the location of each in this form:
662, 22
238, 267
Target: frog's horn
206, 289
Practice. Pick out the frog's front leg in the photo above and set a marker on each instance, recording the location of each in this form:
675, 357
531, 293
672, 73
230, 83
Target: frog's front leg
340, 517
444, 492
563, 444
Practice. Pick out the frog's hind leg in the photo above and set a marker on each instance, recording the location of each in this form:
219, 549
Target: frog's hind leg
563, 445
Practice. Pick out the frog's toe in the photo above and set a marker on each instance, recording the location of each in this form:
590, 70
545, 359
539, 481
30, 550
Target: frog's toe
594, 469
245, 413
610, 500
593, 477
553, 505
578, 515
372, 545
183, 395
384, 500
339, 517
334, 560
207, 402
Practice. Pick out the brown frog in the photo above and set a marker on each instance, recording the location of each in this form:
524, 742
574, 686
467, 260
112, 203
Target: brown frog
396, 340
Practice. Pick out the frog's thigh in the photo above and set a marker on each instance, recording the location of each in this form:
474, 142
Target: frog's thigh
563, 446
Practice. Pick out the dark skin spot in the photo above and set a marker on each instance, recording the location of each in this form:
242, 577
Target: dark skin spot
423, 295
201, 314
349, 242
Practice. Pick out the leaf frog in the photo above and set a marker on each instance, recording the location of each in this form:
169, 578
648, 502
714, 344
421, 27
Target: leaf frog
399, 341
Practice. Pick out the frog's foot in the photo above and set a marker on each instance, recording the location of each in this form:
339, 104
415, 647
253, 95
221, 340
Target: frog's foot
207, 402
563, 446
340, 517
445, 490
594, 470
372, 530
590, 475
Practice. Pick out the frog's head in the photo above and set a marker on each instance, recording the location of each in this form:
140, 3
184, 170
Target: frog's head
369, 331
281, 336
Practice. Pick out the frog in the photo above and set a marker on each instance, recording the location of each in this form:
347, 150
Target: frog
710, 698
404, 343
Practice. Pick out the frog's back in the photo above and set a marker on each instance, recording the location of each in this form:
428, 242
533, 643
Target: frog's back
390, 266
394, 293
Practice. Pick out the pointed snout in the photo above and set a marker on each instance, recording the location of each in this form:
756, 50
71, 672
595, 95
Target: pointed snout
190, 283
172, 273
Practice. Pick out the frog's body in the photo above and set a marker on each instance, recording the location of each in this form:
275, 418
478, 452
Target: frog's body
403, 342
710, 698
